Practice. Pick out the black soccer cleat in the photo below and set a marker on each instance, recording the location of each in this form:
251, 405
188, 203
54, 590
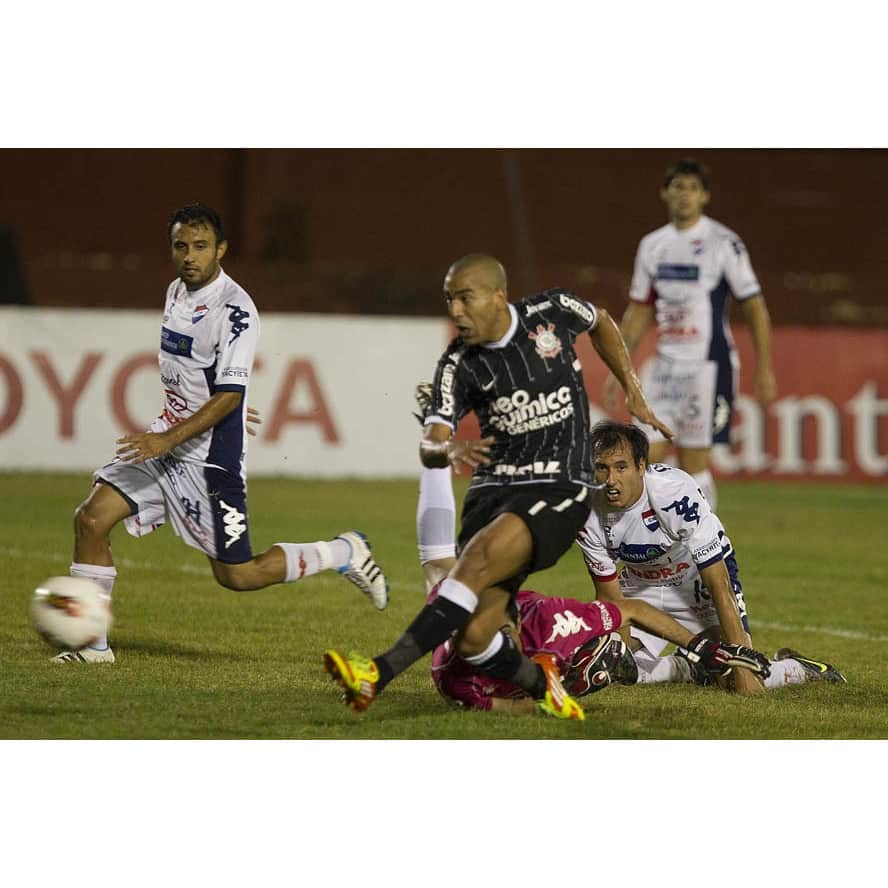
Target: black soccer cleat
815, 669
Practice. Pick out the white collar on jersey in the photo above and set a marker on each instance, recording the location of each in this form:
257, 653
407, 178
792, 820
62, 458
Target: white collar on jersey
696, 230
501, 343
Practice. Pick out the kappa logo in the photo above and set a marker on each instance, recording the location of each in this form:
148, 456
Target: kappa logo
722, 414
567, 624
237, 318
685, 509
548, 345
235, 523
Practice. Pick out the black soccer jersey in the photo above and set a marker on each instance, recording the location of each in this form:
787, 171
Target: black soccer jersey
527, 392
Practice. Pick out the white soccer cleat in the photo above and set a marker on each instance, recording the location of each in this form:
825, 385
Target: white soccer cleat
84, 655
363, 571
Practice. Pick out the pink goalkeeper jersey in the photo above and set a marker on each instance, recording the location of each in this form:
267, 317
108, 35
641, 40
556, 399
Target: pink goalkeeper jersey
549, 625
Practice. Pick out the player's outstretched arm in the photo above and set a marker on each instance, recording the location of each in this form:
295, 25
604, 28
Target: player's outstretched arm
610, 346
715, 578
609, 590
637, 320
149, 445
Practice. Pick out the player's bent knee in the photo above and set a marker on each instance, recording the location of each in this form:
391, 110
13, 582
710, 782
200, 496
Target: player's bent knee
87, 523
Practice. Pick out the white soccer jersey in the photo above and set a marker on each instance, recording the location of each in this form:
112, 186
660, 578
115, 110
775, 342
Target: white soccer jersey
688, 275
207, 345
662, 540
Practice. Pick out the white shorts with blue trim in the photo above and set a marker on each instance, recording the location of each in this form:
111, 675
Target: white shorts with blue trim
206, 506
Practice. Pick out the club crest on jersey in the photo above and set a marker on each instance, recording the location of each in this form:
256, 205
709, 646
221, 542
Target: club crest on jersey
548, 345
650, 520
696, 246
199, 312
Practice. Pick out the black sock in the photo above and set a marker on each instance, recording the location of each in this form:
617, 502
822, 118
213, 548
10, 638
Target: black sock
435, 623
509, 664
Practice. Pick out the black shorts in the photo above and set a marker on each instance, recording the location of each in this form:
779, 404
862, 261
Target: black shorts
553, 513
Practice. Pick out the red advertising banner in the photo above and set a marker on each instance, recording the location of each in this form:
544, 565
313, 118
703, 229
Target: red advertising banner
830, 419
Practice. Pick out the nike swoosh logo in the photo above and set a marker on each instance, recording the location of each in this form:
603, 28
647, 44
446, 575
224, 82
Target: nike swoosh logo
489, 386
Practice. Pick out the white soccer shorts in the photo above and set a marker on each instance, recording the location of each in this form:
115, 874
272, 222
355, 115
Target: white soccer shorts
206, 506
694, 398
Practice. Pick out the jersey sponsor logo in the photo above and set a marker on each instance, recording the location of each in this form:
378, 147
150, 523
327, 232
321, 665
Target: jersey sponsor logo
685, 509
199, 313
580, 309
237, 318
175, 401
548, 345
169, 375
553, 467
567, 624
670, 572
176, 343
667, 271
235, 373
704, 553
639, 554
234, 521
607, 620
649, 518
533, 309
447, 405
519, 414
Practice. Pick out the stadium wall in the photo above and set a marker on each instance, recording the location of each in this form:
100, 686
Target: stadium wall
336, 394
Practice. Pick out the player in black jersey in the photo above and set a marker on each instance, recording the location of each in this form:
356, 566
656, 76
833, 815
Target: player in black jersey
515, 367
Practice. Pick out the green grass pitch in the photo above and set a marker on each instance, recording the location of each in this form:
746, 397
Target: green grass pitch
198, 661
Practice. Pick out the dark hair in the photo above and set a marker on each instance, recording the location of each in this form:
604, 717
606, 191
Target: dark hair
607, 434
688, 167
197, 214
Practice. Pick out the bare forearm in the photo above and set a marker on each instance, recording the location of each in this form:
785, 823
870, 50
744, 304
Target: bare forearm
716, 579
656, 622
211, 414
757, 318
609, 344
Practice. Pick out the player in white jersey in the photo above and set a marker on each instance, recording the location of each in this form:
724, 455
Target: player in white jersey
190, 467
684, 274
675, 555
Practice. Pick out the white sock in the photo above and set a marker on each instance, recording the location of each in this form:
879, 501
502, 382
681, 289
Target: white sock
663, 669
706, 483
436, 515
786, 672
491, 649
305, 559
459, 593
104, 576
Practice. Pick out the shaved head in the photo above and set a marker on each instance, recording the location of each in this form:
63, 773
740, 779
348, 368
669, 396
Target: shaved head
490, 269
475, 293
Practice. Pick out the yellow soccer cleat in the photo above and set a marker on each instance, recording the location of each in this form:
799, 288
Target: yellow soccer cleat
357, 676
557, 702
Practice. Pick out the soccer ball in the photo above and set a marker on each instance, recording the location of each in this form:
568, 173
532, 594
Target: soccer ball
71, 612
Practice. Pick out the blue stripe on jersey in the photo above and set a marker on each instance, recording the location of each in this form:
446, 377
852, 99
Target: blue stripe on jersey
718, 345
227, 441
667, 271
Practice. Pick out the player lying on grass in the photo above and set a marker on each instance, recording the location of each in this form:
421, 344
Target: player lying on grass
675, 555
